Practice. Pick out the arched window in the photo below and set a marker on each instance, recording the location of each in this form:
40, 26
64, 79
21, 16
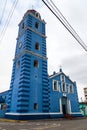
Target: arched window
36, 63
63, 87
71, 89
37, 25
37, 14
37, 46
20, 44
22, 25
18, 64
35, 106
62, 78
55, 85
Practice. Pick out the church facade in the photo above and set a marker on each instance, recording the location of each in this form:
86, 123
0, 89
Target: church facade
63, 99
33, 94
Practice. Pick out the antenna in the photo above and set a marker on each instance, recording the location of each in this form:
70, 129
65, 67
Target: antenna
32, 7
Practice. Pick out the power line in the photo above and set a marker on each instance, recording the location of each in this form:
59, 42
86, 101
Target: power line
8, 20
3, 11
53, 8
73, 32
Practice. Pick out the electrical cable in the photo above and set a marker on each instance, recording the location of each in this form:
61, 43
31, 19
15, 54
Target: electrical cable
70, 27
8, 20
72, 31
65, 23
3, 11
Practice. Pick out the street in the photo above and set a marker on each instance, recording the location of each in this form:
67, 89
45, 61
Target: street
80, 124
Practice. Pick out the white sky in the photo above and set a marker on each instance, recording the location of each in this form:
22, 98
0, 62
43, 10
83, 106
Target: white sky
62, 48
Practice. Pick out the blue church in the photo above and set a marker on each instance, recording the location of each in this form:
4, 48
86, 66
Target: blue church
33, 93
63, 96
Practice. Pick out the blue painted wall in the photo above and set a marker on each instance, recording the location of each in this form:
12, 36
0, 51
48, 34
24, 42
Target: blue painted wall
29, 84
31, 93
57, 95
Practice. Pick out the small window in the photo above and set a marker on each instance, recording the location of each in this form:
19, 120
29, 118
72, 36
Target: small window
70, 88
22, 25
36, 64
62, 78
18, 64
37, 46
37, 14
3, 106
55, 85
20, 44
37, 25
35, 106
64, 87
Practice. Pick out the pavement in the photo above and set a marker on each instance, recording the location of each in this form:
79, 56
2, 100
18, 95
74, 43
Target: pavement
52, 124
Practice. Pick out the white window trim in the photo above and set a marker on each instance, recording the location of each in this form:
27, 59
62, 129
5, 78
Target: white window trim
69, 106
18, 64
62, 87
37, 15
20, 45
53, 85
61, 106
58, 86
69, 88
62, 78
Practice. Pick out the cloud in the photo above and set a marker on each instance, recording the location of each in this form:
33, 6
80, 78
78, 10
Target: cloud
76, 66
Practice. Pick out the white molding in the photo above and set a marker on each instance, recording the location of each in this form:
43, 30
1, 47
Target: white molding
52, 113
75, 113
69, 106
58, 86
61, 106
69, 89
31, 29
62, 87
57, 74
29, 13
29, 52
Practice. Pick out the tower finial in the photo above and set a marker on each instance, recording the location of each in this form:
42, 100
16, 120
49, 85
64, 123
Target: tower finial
32, 7
60, 68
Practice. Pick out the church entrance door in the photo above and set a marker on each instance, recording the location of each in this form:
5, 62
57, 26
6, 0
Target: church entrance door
64, 105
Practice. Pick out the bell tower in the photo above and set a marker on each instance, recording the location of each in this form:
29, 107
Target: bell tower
29, 88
